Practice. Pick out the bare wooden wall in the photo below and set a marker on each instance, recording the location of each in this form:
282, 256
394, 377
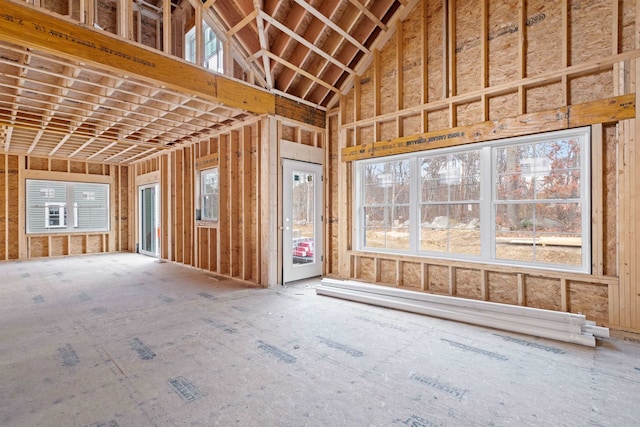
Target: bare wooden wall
455, 63
15, 243
245, 242
231, 246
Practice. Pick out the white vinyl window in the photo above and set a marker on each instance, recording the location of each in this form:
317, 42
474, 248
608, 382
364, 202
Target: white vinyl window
523, 201
213, 58
48, 206
209, 194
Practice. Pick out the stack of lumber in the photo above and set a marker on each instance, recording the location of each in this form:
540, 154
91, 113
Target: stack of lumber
568, 327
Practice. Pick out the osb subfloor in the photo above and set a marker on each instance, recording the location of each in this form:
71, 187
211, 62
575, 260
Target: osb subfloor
121, 340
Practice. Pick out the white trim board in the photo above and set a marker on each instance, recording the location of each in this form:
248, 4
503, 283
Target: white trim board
568, 327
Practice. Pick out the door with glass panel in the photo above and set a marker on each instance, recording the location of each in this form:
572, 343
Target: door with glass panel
149, 220
302, 220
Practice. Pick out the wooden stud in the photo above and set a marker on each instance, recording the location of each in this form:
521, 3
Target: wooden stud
376, 93
565, 51
245, 209
271, 271
114, 217
225, 205
23, 251
624, 249
451, 54
166, 26
522, 39
484, 45
634, 204
399, 77
564, 298
235, 202
522, 300
199, 59
343, 194
452, 281
597, 200
484, 284
424, 67
424, 276
615, 27
5, 194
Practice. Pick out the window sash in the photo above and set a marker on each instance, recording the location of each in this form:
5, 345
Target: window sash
63, 207
556, 203
209, 194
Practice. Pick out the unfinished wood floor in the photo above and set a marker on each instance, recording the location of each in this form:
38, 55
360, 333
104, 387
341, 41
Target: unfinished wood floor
121, 340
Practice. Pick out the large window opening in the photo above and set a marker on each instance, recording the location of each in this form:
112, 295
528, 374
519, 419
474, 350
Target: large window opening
62, 207
523, 201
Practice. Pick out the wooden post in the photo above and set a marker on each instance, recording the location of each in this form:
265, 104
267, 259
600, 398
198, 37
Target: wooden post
597, 201
166, 26
269, 203
521, 290
23, 249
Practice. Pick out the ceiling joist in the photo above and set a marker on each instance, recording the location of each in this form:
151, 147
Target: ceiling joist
84, 93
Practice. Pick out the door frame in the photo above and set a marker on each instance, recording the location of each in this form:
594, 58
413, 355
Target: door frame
156, 234
289, 272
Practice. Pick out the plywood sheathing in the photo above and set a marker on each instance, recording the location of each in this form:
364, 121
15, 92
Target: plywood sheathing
230, 246
435, 46
16, 244
535, 56
107, 15
467, 46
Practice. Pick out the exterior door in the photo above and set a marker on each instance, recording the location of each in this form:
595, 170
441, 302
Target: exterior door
149, 220
302, 220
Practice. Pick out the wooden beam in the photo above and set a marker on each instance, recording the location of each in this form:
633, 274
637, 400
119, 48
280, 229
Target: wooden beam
304, 42
243, 23
33, 28
264, 45
299, 70
299, 112
366, 12
602, 111
326, 21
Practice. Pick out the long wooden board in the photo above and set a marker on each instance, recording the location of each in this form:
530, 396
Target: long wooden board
601, 111
30, 27
303, 113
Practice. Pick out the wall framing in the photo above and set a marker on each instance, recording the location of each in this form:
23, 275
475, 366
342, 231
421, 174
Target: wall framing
436, 87
16, 244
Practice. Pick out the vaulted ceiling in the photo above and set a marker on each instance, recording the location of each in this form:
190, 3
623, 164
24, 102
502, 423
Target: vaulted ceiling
79, 93
312, 49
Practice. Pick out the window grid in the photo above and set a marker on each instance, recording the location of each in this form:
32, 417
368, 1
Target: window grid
523, 201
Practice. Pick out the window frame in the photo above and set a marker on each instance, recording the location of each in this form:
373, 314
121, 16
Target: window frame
190, 48
488, 201
201, 195
69, 207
